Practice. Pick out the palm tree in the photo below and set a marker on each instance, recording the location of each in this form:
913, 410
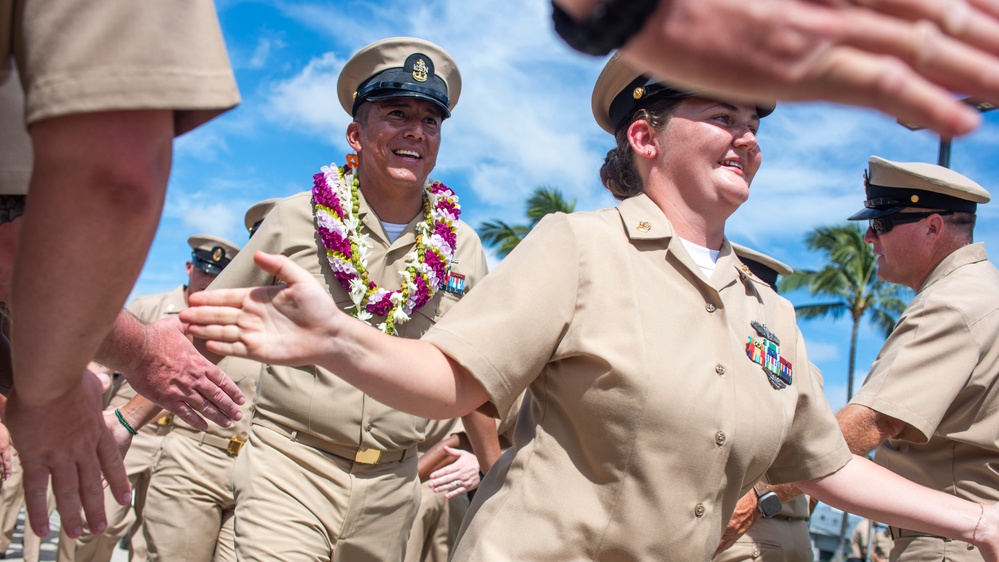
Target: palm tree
850, 281
504, 237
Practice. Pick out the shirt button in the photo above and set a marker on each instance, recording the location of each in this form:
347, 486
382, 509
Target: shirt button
369, 426
699, 510
720, 369
710, 307
720, 438
756, 552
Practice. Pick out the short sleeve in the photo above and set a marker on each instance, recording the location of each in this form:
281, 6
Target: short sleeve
921, 369
506, 329
815, 446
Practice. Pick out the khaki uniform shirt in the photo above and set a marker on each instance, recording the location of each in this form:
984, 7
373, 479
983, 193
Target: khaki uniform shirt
938, 373
648, 420
75, 56
311, 399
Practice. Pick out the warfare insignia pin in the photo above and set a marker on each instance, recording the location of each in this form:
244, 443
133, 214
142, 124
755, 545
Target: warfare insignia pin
765, 352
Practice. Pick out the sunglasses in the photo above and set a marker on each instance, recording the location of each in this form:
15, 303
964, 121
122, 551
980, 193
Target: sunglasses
882, 225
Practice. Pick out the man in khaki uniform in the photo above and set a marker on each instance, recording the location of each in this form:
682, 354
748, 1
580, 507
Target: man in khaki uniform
105, 94
256, 213
329, 473
209, 255
776, 536
192, 483
929, 404
880, 543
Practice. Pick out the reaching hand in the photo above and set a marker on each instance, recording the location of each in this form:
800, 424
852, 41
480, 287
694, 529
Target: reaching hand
459, 477
174, 375
288, 325
745, 515
66, 439
122, 437
903, 57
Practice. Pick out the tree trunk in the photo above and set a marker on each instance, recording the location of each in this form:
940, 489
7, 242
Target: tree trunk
849, 395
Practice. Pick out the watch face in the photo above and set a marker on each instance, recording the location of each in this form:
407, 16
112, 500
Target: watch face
770, 504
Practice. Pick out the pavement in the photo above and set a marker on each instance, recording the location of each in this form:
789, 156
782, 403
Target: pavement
49, 544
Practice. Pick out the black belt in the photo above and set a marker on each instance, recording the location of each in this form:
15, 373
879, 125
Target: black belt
897, 533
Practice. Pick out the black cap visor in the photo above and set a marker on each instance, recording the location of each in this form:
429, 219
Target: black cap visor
397, 83
884, 200
643, 90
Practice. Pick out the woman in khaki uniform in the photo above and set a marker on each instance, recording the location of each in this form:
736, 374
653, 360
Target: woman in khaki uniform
664, 379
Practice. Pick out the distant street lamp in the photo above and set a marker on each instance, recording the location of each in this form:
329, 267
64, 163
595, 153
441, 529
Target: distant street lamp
943, 158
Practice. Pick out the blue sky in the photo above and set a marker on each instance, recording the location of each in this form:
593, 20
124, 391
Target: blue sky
523, 120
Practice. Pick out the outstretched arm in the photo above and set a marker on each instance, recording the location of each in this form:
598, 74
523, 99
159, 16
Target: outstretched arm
871, 491
162, 364
95, 176
864, 430
299, 324
903, 57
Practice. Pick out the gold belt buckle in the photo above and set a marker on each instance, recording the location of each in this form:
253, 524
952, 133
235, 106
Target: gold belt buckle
164, 421
368, 456
235, 445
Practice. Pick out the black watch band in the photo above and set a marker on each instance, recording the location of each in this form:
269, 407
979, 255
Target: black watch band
608, 27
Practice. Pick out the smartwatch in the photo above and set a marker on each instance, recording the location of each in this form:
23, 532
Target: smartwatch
767, 501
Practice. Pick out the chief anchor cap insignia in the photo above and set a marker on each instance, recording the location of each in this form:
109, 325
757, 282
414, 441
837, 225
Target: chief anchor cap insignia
218, 253
638, 93
420, 70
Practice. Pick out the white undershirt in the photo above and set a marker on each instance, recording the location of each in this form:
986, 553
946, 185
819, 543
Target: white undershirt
393, 230
704, 258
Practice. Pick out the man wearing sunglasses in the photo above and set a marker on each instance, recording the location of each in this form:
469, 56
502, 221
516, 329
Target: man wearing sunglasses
930, 405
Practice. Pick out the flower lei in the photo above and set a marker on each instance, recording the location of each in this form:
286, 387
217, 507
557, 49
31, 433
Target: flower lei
336, 202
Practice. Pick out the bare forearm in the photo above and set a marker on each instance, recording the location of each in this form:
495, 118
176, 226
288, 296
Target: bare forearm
95, 176
868, 490
124, 345
139, 411
409, 375
481, 432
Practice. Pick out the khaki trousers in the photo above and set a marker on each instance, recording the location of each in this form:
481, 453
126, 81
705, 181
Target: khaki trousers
436, 526
190, 505
298, 503
771, 540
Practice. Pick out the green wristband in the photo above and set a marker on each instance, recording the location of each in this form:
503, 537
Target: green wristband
121, 418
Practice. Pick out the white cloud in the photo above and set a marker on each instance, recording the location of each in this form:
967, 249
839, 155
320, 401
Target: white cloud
262, 53
821, 351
